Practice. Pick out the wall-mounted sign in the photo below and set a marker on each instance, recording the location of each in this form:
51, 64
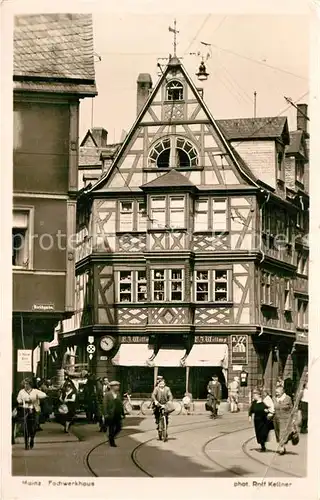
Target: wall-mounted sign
137, 339
24, 360
43, 307
239, 349
210, 339
91, 349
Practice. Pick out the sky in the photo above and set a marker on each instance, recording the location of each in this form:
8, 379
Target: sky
268, 54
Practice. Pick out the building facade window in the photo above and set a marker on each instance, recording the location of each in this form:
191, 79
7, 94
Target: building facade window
173, 152
268, 289
212, 285
126, 216
300, 171
168, 212
167, 285
174, 91
21, 239
132, 216
288, 295
132, 286
302, 314
211, 215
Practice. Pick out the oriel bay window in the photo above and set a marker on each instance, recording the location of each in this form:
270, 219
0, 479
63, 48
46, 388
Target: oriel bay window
132, 216
168, 212
211, 215
167, 285
132, 286
212, 285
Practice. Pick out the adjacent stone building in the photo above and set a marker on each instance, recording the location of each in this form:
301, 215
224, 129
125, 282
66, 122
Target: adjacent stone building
53, 70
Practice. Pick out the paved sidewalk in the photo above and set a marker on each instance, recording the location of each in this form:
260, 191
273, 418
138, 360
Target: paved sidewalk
52, 433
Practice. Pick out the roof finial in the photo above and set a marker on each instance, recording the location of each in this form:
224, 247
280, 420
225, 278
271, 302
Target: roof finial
174, 31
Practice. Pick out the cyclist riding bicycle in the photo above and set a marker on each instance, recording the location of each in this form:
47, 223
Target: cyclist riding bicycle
160, 397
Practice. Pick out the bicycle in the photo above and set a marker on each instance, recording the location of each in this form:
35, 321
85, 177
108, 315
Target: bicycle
162, 425
147, 407
127, 404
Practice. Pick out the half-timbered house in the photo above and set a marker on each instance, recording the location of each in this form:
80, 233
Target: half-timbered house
187, 247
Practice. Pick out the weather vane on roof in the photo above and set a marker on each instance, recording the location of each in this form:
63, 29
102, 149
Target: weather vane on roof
174, 31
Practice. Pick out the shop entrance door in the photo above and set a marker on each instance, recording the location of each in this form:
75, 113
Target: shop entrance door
201, 376
175, 379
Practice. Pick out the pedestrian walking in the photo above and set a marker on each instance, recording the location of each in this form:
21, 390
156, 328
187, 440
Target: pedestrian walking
103, 386
90, 399
304, 409
234, 395
113, 411
267, 399
214, 395
283, 408
187, 402
259, 410
67, 409
29, 399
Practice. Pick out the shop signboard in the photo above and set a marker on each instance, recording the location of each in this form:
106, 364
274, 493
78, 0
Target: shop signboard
24, 361
210, 339
134, 339
239, 349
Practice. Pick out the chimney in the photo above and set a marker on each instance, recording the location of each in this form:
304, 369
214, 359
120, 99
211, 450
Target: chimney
144, 85
100, 136
302, 121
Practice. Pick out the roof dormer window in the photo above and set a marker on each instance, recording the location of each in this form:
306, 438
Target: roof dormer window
174, 91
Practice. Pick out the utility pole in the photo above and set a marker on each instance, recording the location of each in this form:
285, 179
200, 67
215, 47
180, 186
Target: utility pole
255, 104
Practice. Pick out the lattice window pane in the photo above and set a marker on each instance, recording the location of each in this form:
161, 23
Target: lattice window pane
219, 215
202, 286
125, 286
158, 278
176, 284
201, 216
141, 286
220, 285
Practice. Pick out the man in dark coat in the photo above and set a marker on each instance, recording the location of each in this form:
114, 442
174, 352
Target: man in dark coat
113, 411
214, 395
103, 386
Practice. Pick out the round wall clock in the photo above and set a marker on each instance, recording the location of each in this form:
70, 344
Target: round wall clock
107, 343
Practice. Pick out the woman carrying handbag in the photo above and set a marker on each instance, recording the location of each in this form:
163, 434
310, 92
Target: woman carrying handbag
67, 409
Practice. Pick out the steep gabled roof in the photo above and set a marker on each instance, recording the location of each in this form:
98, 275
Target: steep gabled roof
55, 48
169, 179
255, 128
173, 62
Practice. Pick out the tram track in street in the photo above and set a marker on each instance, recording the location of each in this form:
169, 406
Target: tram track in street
91, 451
233, 473
246, 453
